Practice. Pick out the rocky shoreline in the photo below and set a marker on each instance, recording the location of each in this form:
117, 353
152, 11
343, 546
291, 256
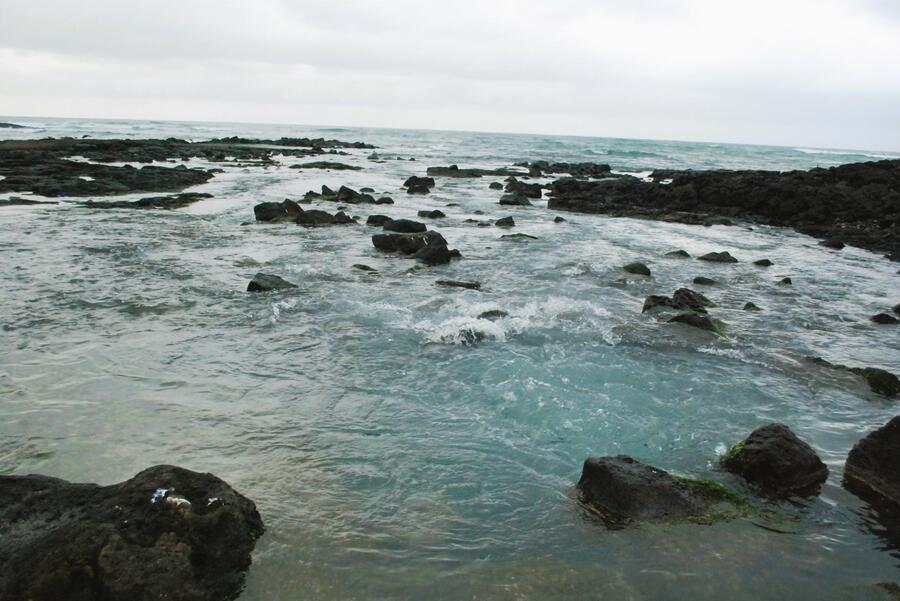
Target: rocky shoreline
856, 204
175, 534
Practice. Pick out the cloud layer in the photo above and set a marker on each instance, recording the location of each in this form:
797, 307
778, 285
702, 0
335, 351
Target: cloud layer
805, 72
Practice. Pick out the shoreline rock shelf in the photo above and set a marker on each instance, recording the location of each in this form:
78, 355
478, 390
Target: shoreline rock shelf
167, 533
857, 203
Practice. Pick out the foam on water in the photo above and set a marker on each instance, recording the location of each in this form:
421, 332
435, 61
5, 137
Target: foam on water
393, 455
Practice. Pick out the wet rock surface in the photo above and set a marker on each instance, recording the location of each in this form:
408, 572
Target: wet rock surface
623, 490
264, 282
167, 533
872, 470
45, 166
857, 204
776, 461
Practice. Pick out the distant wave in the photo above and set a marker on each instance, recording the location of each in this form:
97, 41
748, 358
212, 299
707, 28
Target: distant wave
634, 154
874, 155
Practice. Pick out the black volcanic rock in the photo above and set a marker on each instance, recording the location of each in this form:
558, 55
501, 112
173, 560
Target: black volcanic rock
167, 533
872, 470
637, 269
857, 204
623, 490
777, 462
404, 226
264, 282
884, 319
718, 257
288, 210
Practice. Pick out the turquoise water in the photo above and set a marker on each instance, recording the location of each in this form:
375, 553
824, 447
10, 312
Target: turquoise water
390, 460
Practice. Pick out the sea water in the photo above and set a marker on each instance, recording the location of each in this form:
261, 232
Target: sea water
389, 458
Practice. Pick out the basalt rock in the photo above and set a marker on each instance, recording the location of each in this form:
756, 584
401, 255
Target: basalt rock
622, 490
751, 307
579, 170
637, 269
455, 171
884, 319
776, 461
515, 200
763, 263
872, 470
264, 282
704, 281
505, 222
435, 214
518, 188
404, 226
455, 284
493, 314
495, 186
167, 533
678, 253
718, 257
330, 165
559, 219
378, 220
175, 201
518, 237
856, 204
703, 322
270, 212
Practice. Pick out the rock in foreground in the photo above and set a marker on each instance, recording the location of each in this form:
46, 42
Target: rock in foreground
168, 533
622, 490
777, 462
872, 470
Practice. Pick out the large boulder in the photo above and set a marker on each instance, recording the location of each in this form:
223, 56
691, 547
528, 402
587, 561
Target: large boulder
777, 462
167, 533
872, 470
622, 490
288, 210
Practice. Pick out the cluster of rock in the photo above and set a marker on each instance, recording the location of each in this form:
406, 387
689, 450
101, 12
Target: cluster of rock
167, 533
455, 171
579, 170
45, 167
347, 195
290, 211
418, 185
772, 462
856, 204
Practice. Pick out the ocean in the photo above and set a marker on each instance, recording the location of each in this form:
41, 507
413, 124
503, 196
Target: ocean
388, 456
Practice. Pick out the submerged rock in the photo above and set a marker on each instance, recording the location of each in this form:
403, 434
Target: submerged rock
763, 263
751, 307
880, 381
518, 237
703, 281
435, 214
678, 253
515, 200
333, 166
366, 268
872, 470
637, 269
718, 257
777, 462
316, 218
167, 533
264, 282
493, 314
884, 319
455, 284
15, 201
703, 322
559, 219
495, 186
623, 490
832, 244
785, 282
505, 222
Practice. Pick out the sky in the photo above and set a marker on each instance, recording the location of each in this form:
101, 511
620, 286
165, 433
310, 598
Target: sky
822, 73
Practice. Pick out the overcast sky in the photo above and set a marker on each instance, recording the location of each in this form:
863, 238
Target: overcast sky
795, 72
